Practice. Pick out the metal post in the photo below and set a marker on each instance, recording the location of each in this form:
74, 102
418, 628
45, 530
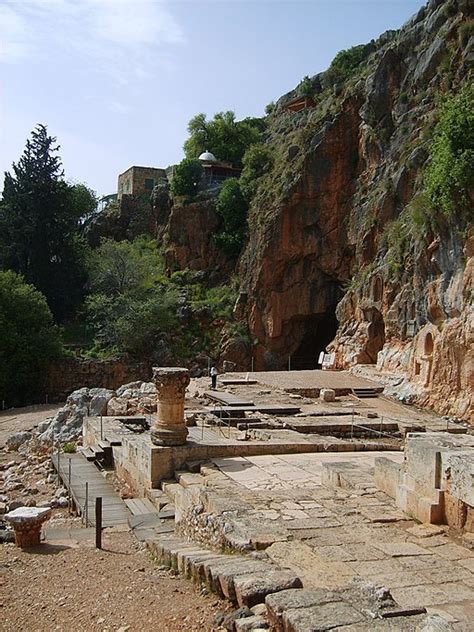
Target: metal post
86, 508
352, 424
289, 363
253, 363
59, 468
69, 484
46, 397
101, 429
98, 522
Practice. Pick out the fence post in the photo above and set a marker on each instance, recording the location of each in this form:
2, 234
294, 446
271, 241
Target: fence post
86, 508
98, 522
101, 429
69, 484
59, 465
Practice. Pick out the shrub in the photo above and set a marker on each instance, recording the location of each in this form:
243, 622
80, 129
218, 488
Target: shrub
257, 161
345, 63
466, 31
305, 87
69, 448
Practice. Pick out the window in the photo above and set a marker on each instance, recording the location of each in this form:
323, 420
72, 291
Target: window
149, 183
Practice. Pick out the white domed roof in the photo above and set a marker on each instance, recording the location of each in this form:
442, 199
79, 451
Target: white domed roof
206, 156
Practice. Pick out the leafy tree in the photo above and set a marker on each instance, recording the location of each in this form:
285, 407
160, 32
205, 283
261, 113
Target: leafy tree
116, 268
257, 161
39, 224
225, 137
232, 207
449, 177
131, 307
28, 340
186, 177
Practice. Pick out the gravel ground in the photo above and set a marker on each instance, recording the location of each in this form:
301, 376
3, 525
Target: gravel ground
71, 586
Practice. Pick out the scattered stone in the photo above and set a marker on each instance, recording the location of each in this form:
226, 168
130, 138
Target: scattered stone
327, 395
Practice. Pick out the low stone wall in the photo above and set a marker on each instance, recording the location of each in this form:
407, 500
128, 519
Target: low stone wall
69, 374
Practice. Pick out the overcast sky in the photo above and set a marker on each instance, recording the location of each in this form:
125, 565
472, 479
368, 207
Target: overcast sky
117, 80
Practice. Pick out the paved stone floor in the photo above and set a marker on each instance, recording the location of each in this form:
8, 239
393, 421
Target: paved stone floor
331, 535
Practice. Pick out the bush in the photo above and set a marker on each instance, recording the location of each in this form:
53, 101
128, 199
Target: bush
69, 448
305, 87
466, 31
449, 177
187, 177
257, 161
345, 63
28, 340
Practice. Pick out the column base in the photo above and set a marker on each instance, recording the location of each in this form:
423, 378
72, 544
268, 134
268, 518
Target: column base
169, 435
27, 538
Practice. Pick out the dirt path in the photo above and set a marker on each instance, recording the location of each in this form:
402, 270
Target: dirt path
26, 418
69, 585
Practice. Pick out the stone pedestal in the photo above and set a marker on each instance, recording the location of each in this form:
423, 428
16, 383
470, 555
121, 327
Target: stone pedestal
170, 428
27, 521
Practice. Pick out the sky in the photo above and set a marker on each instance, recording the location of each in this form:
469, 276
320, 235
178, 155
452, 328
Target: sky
116, 81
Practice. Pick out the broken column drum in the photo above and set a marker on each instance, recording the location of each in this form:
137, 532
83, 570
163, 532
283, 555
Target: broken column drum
169, 428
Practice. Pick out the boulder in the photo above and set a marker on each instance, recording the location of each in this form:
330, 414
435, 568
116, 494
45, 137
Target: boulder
117, 406
100, 397
14, 441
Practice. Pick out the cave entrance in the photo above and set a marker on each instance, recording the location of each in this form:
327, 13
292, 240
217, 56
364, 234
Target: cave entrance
319, 330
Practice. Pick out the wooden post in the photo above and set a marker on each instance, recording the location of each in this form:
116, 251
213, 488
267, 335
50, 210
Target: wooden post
98, 522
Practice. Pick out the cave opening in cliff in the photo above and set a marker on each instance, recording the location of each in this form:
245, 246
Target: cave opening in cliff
318, 331
375, 335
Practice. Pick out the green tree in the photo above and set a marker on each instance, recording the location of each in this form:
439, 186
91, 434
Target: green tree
449, 177
132, 307
117, 268
232, 207
28, 340
225, 137
39, 224
186, 177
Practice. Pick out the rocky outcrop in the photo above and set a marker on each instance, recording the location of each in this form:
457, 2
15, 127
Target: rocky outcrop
189, 243
318, 270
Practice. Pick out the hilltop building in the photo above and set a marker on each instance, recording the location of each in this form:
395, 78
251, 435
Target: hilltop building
139, 180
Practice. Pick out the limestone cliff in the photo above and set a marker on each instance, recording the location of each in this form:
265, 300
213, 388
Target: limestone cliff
343, 248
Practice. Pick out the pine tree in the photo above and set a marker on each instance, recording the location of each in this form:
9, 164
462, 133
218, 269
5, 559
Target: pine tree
39, 222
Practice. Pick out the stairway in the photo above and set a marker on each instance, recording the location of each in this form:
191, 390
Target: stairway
363, 393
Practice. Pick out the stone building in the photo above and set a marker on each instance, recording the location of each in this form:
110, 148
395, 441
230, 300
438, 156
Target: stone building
216, 171
139, 180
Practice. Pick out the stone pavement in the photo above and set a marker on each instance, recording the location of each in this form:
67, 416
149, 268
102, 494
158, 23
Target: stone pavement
331, 535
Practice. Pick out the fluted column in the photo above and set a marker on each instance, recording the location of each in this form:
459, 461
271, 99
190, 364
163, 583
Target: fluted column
169, 428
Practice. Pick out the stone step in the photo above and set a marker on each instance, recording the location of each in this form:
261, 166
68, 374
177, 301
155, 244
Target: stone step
170, 488
157, 497
186, 479
243, 579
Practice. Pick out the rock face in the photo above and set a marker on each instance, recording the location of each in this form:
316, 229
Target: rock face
317, 272
188, 239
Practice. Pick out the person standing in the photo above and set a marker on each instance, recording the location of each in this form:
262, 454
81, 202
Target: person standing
213, 373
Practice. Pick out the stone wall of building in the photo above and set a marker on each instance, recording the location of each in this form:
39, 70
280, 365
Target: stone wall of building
69, 374
132, 181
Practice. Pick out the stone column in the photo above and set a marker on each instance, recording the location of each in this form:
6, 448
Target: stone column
169, 428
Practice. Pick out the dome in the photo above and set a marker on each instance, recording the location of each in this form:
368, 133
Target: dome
206, 156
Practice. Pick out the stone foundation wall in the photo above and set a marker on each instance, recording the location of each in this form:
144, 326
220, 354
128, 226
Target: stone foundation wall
69, 374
